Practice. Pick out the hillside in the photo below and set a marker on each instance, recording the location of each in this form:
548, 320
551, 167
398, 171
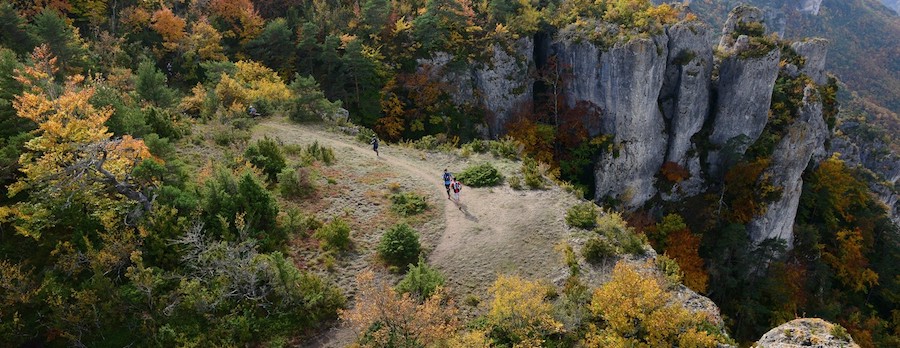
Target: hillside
202, 173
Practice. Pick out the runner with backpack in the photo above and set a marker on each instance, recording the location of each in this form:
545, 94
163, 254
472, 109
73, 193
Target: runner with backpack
456, 187
447, 179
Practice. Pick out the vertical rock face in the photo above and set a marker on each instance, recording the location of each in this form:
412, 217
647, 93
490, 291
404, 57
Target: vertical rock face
457, 82
789, 160
810, 6
624, 82
744, 88
583, 60
685, 91
506, 82
685, 99
631, 76
814, 52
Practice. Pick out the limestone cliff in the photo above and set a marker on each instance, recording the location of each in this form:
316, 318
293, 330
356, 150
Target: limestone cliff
792, 154
506, 82
746, 76
685, 97
624, 81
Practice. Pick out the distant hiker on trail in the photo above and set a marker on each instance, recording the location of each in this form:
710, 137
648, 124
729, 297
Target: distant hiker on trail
375, 145
252, 111
447, 179
456, 187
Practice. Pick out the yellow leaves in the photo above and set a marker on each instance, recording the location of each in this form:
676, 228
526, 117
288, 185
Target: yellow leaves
205, 41
520, 309
636, 310
849, 262
252, 83
402, 25
400, 320
346, 39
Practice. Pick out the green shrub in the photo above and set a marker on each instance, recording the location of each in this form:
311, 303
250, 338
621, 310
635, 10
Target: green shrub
480, 175
506, 148
166, 124
582, 216
294, 220
598, 249
334, 235
399, 246
266, 155
533, 177
421, 280
840, 333
614, 228
670, 269
408, 203
365, 135
226, 136
316, 152
476, 146
515, 182
295, 183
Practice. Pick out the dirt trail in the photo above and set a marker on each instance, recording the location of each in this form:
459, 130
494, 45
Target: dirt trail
493, 231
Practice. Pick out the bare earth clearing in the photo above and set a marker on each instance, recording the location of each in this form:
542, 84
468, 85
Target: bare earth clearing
495, 230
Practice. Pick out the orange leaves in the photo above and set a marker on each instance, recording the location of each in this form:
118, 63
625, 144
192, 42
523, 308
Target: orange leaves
169, 26
745, 184
684, 247
849, 262
243, 21
388, 319
391, 126
674, 172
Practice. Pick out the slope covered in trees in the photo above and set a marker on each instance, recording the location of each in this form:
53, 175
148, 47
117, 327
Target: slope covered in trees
137, 209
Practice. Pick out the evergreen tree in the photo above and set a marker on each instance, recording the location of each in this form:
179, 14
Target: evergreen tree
151, 85
274, 47
50, 28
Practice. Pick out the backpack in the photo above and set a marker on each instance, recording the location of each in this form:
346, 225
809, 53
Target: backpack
456, 186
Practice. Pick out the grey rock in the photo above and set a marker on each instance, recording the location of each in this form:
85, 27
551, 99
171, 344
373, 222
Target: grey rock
805, 332
810, 6
814, 52
506, 83
790, 158
631, 76
742, 105
685, 91
457, 81
741, 14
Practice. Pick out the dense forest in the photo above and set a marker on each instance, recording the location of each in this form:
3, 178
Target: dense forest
113, 232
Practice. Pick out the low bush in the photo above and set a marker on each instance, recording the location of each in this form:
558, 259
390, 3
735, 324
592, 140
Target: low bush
266, 155
614, 228
421, 281
506, 148
399, 246
670, 269
515, 182
226, 136
316, 152
408, 203
295, 221
295, 183
480, 175
533, 177
598, 249
582, 216
334, 235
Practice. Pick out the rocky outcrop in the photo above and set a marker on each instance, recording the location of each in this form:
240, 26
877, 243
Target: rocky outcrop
894, 5
792, 154
807, 332
624, 82
499, 86
505, 83
810, 6
456, 81
744, 89
814, 51
685, 96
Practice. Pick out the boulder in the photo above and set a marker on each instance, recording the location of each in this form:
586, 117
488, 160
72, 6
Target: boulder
807, 332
